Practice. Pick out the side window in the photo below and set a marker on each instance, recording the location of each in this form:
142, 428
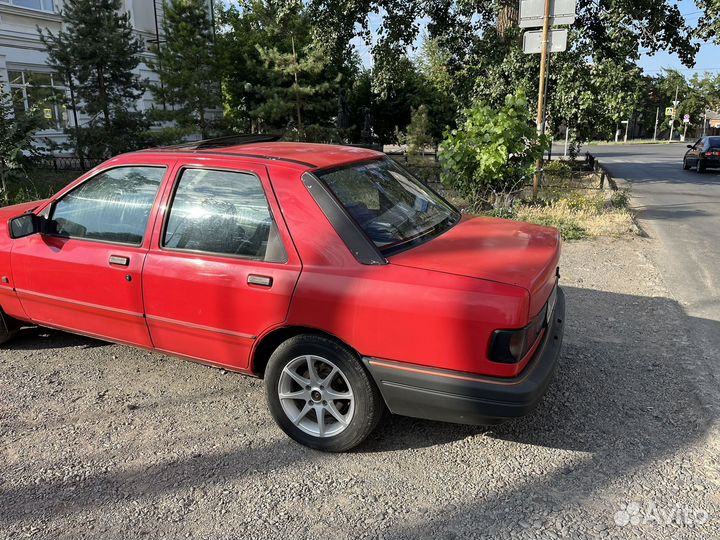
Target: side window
113, 206
225, 213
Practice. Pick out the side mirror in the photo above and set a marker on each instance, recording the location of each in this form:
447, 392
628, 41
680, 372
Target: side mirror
25, 225
689, 145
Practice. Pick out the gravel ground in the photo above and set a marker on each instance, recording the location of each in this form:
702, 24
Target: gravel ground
104, 441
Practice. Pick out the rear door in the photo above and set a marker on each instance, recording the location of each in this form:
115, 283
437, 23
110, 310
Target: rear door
84, 275
221, 268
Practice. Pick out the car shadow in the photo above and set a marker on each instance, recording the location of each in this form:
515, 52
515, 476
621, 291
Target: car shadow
628, 393
35, 338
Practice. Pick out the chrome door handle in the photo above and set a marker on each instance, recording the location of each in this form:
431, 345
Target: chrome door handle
262, 281
119, 260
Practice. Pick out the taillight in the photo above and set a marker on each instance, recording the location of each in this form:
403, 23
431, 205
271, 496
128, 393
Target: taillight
714, 153
511, 346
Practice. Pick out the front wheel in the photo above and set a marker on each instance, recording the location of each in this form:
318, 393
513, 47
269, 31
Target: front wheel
320, 395
686, 167
699, 166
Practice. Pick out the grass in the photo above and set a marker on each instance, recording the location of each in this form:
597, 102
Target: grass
582, 215
569, 200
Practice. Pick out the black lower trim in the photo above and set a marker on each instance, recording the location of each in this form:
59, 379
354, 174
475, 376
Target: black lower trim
464, 398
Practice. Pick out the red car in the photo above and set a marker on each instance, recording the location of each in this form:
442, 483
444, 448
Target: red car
330, 271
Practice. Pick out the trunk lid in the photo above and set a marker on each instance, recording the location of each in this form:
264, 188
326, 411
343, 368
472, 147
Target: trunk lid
493, 249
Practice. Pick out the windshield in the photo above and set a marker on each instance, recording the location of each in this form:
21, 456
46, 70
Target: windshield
394, 209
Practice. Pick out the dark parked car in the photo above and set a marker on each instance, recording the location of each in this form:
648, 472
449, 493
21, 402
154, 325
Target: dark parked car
704, 154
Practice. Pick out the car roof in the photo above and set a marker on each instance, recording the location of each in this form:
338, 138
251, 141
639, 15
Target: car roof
307, 155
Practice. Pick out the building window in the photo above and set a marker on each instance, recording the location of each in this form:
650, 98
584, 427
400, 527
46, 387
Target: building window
40, 5
40, 91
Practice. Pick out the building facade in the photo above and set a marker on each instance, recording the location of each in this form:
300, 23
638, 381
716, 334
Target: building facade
23, 69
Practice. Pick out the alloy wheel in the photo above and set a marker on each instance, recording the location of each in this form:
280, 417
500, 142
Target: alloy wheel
316, 396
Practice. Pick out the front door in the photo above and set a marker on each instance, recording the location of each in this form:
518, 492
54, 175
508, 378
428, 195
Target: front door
221, 268
84, 273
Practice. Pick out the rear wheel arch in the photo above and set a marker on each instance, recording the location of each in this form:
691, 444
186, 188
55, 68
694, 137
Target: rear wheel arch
267, 344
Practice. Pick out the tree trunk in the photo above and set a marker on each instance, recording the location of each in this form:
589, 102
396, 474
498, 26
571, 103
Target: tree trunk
508, 16
103, 96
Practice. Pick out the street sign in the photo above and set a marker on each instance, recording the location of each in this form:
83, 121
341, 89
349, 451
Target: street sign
532, 12
686, 119
557, 41
669, 111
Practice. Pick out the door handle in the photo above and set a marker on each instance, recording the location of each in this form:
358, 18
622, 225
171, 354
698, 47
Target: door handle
262, 281
119, 260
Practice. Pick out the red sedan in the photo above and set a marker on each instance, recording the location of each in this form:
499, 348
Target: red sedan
330, 271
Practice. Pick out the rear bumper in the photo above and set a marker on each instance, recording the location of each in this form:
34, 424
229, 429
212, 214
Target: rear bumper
464, 398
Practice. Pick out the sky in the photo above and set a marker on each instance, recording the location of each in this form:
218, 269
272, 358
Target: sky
708, 58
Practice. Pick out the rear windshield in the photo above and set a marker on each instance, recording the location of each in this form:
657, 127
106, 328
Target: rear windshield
713, 141
394, 209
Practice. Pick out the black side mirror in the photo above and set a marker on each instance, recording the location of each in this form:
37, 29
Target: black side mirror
25, 225
689, 145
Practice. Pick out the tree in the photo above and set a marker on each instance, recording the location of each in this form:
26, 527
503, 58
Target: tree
709, 24
187, 65
418, 132
291, 89
16, 143
492, 150
613, 28
439, 87
255, 45
97, 51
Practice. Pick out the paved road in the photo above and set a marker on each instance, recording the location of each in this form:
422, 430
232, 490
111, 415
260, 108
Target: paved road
682, 209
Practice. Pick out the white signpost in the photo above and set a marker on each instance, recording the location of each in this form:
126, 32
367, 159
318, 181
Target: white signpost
544, 14
533, 11
533, 41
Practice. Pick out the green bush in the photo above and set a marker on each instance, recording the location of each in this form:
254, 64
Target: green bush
620, 199
558, 168
491, 150
569, 229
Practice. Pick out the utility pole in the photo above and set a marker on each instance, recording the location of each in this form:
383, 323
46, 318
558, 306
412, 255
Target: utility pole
541, 92
297, 90
675, 104
657, 119
157, 41
567, 139
704, 121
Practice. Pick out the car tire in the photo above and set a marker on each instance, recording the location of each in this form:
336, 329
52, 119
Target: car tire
8, 327
299, 402
686, 167
699, 167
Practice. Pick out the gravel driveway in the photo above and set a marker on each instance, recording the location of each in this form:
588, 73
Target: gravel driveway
103, 441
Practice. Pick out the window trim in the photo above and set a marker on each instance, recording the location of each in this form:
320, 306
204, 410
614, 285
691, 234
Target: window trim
49, 210
61, 112
168, 210
52, 11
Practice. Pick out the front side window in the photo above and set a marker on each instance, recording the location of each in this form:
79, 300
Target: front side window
394, 209
225, 213
113, 206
